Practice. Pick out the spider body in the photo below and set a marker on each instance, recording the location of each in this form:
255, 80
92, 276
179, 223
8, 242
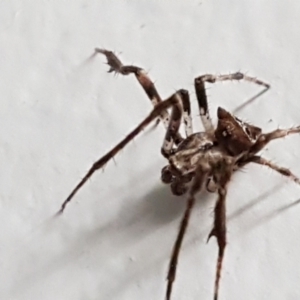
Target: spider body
204, 158
232, 137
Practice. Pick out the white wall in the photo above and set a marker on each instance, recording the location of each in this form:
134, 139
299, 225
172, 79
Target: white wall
60, 111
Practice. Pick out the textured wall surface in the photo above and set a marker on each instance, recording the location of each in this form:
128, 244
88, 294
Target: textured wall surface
60, 111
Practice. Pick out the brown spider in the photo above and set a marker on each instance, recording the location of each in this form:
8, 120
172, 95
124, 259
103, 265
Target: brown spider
204, 158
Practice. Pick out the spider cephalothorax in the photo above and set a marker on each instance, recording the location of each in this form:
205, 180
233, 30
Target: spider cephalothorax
203, 158
182, 161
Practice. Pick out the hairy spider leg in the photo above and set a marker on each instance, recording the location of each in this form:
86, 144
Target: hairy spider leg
197, 183
265, 138
202, 98
181, 108
187, 119
219, 228
283, 171
170, 102
116, 66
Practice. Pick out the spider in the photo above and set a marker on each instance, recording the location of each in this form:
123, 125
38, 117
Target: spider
207, 158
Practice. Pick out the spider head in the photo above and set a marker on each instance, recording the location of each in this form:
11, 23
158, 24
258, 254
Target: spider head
233, 134
184, 160
180, 170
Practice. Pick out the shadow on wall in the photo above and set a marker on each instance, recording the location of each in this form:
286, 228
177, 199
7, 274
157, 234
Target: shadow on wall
134, 223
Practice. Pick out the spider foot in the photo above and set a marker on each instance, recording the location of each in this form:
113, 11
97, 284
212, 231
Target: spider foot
116, 65
113, 61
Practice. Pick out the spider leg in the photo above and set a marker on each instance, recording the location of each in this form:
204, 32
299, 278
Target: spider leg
219, 228
173, 100
116, 66
219, 231
265, 138
187, 119
283, 171
181, 108
202, 98
197, 183
203, 106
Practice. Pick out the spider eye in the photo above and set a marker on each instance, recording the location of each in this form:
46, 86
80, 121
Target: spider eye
224, 133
